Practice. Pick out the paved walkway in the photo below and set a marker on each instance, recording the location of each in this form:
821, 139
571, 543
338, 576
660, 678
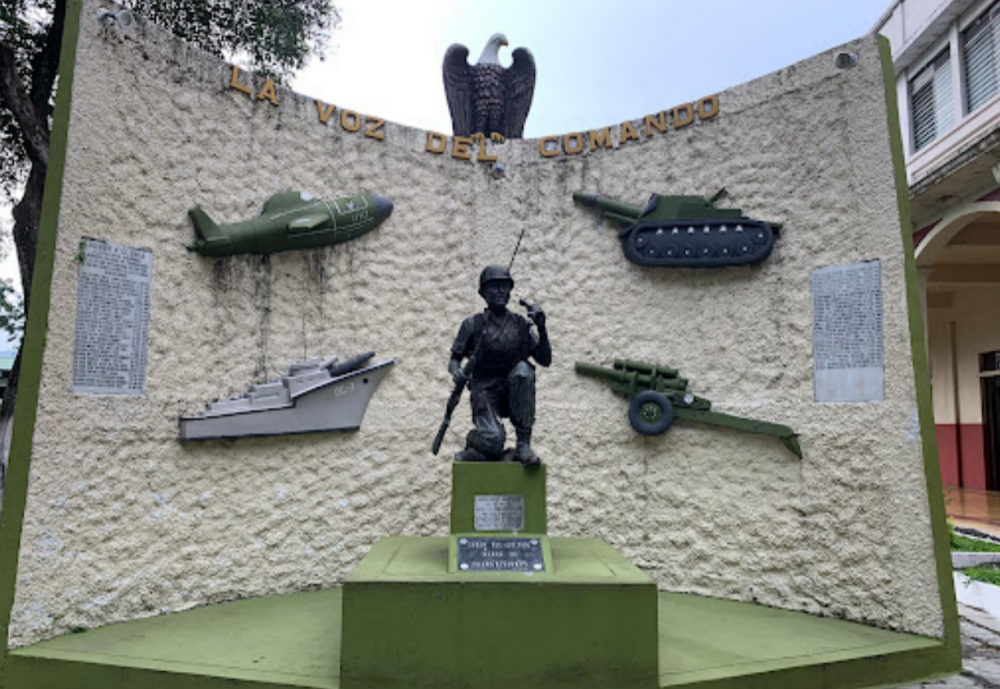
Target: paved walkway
980, 616
974, 509
980, 653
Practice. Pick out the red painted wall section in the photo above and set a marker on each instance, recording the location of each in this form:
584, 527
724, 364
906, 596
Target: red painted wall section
948, 454
973, 456
991, 196
972, 459
919, 235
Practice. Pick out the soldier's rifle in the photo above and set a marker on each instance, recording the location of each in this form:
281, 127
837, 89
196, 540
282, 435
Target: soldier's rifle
453, 399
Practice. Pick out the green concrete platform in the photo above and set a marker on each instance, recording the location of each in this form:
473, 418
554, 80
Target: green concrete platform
294, 641
263, 643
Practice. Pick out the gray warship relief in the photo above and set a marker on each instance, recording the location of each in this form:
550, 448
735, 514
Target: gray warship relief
310, 396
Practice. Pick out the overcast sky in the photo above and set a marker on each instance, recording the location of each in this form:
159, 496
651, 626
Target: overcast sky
598, 62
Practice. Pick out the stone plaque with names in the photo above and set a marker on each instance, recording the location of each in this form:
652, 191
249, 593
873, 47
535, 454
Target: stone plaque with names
848, 356
499, 513
112, 319
500, 555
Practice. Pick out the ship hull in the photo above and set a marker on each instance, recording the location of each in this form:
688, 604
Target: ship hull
336, 405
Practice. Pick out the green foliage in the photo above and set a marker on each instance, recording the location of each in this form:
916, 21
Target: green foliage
276, 35
984, 573
11, 310
273, 37
972, 545
24, 27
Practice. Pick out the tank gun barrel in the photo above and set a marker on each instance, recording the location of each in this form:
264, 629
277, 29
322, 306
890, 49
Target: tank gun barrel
619, 212
718, 195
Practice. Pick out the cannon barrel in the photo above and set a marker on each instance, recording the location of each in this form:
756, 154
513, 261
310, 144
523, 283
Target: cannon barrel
632, 381
601, 372
646, 368
614, 210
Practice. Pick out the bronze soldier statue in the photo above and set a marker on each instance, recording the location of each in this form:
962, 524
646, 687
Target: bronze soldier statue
497, 344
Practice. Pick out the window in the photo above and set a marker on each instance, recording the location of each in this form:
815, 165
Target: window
980, 43
931, 101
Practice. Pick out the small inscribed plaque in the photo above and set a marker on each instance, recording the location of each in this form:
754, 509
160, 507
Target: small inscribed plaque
499, 513
848, 356
500, 555
112, 319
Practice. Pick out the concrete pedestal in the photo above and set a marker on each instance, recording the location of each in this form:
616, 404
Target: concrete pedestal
409, 623
416, 616
496, 479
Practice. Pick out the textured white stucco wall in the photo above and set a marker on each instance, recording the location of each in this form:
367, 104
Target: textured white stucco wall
124, 521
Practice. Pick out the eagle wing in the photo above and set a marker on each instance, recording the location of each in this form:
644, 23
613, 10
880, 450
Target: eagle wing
519, 89
458, 88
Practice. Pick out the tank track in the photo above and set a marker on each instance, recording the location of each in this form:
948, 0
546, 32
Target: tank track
698, 243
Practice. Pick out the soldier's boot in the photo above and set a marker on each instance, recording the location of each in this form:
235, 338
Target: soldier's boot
523, 452
470, 453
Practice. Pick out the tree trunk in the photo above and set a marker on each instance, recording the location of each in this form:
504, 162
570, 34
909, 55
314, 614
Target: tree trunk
26, 218
27, 214
31, 108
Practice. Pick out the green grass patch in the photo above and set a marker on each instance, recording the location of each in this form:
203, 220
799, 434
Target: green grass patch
972, 545
984, 573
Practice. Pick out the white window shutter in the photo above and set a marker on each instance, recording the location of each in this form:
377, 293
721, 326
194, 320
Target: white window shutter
931, 106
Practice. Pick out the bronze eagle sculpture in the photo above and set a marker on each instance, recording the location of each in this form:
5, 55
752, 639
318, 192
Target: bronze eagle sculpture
486, 98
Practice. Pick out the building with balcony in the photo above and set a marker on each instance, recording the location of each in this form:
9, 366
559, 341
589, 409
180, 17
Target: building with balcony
946, 55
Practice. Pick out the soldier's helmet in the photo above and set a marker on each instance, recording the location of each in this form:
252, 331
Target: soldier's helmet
494, 274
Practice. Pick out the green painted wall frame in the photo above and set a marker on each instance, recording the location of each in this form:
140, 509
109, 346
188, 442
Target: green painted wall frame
921, 376
16, 490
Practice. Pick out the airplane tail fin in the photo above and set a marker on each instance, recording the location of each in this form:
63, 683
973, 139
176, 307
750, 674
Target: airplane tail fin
204, 226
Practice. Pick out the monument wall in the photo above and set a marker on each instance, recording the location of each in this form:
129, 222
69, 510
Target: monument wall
124, 521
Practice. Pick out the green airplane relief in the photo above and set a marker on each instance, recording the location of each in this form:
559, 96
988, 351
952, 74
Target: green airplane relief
291, 220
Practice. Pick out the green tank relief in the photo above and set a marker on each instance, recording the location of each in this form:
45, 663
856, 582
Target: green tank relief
686, 231
291, 220
658, 395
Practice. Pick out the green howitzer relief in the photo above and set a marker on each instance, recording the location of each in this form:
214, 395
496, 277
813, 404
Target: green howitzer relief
658, 395
291, 220
686, 231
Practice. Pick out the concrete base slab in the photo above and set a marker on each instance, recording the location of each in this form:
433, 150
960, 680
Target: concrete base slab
294, 641
961, 560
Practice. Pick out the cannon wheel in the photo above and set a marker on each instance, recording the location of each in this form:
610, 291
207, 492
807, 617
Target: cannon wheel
650, 413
